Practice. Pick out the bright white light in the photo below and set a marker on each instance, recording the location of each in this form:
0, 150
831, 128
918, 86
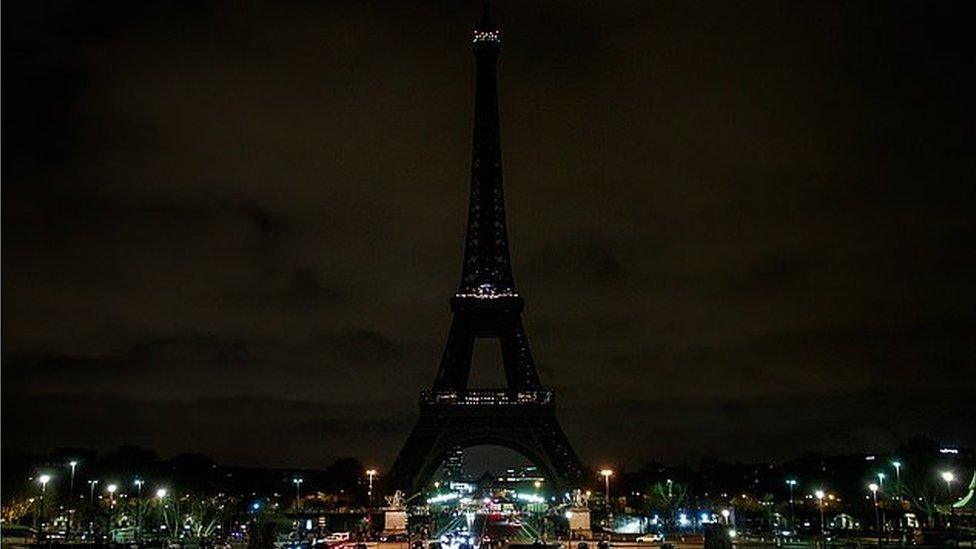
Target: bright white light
442, 498
731, 533
531, 498
44, 479
569, 515
873, 487
820, 494
112, 488
948, 476
606, 472
725, 513
161, 493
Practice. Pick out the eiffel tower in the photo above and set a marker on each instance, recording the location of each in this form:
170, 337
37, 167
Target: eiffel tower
520, 416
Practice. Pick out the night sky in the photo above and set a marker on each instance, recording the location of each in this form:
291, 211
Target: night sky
743, 230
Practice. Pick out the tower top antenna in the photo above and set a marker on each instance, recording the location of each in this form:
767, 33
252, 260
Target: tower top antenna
486, 22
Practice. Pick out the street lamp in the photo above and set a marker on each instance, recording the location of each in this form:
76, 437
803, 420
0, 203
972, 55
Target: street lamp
792, 484
370, 473
43, 479
607, 473
820, 503
138, 482
881, 477
71, 486
161, 494
948, 477
298, 492
111, 493
91, 494
877, 516
71, 495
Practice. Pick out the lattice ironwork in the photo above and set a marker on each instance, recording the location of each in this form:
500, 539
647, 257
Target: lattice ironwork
486, 305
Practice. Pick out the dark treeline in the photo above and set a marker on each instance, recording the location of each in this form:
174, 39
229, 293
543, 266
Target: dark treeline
186, 473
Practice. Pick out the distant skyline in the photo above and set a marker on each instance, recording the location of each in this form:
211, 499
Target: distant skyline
742, 231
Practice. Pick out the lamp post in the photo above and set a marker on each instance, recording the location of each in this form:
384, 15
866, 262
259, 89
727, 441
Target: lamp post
91, 491
670, 501
370, 473
607, 473
138, 483
91, 503
43, 479
112, 488
792, 484
298, 492
161, 494
820, 503
71, 495
897, 466
877, 516
948, 477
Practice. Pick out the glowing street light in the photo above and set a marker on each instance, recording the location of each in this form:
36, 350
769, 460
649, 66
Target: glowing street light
112, 488
298, 491
71, 493
43, 479
161, 493
881, 477
820, 503
71, 486
877, 515
370, 473
791, 482
948, 477
607, 473
91, 495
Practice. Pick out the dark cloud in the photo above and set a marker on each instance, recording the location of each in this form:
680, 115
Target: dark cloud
220, 216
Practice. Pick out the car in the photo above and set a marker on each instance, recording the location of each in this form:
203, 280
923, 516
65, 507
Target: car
650, 538
17, 536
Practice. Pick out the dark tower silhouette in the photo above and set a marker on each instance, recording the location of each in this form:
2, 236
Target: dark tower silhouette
486, 305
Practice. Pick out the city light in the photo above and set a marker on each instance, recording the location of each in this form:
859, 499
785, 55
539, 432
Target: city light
607, 473
819, 494
112, 488
873, 487
161, 493
44, 479
948, 476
